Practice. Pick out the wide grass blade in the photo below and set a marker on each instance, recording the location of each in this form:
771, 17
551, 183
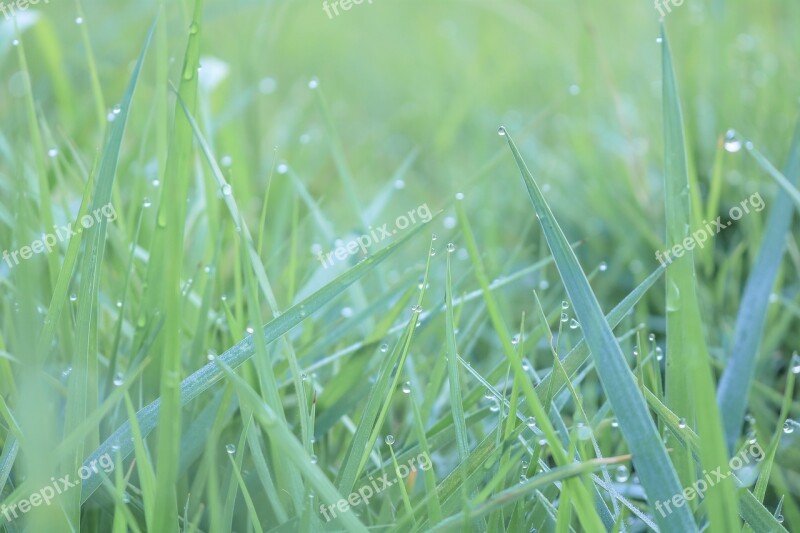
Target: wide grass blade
650, 456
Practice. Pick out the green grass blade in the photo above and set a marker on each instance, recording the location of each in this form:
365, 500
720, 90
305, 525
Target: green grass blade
689, 382
650, 456
739, 372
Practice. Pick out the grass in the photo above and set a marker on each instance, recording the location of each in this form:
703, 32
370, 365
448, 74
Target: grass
522, 346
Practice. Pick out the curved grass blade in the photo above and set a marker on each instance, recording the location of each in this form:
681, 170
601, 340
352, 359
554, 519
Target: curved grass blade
650, 456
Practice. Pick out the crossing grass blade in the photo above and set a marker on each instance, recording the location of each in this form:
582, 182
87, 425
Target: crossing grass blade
650, 456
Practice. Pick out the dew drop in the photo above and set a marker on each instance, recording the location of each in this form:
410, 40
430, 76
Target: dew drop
313, 459
126, 498
119, 379
52, 152
15, 42
525, 463
417, 308
313, 83
249, 330
659, 40
565, 305
384, 347
226, 161
211, 355
433, 252
614, 423
515, 340
651, 337
459, 196
603, 266
530, 422
682, 423
389, 439
574, 324
732, 142
795, 363
156, 182
116, 109
501, 131
227, 189
73, 297
230, 449
564, 318
451, 247
146, 202
495, 406
282, 168
406, 387
523, 478
788, 426
347, 312
194, 28
434, 237
622, 474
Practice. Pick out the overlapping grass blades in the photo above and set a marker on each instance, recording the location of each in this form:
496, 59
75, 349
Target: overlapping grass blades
649, 454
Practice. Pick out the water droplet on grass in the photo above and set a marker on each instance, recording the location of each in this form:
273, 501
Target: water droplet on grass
732, 142
389, 439
406, 387
119, 379
501, 131
621, 475
230, 449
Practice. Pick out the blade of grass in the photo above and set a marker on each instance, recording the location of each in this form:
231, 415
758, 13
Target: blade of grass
650, 456
737, 377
